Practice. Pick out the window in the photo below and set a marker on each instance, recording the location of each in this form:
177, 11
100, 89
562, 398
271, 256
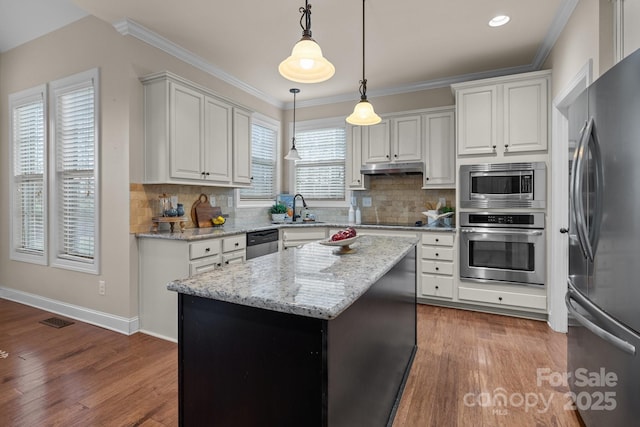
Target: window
29, 176
74, 172
320, 174
264, 164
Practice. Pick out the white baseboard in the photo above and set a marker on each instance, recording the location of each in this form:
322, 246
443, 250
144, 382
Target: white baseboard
104, 320
156, 335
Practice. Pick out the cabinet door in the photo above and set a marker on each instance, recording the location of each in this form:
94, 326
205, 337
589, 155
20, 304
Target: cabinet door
241, 147
440, 170
477, 120
407, 139
354, 162
186, 114
376, 143
525, 115
217, 140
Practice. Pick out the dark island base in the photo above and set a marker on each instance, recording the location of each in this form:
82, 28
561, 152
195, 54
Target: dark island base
246, 366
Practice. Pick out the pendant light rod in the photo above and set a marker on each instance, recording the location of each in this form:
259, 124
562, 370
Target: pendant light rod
293, 153
306, 15
363, 82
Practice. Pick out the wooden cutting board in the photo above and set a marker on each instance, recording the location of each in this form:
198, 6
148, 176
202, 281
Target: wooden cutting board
205, 212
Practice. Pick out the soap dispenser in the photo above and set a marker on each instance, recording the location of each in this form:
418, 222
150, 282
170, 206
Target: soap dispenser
352, 215
358, 216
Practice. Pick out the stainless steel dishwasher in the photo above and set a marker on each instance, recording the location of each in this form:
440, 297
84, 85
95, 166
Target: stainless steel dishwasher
262, 242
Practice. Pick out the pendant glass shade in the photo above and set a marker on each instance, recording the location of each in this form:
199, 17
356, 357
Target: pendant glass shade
363, 114
306, 63
293, 154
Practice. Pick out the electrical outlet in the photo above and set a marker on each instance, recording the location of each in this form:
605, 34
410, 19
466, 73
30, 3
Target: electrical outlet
354, 200
102, 287
366, 202
442, 201
230, 201
212, 200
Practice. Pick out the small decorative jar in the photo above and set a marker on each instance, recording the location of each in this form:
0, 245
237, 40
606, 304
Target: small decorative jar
180, 209
171, 212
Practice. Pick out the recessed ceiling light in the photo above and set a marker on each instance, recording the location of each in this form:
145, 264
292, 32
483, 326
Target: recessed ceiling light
499, 20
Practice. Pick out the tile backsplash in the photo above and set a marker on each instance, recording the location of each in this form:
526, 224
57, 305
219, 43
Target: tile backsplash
396, 198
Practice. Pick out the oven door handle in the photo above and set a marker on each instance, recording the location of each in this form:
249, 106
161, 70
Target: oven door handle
503, 231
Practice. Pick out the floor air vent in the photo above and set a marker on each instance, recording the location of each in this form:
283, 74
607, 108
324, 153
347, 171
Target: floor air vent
56, 322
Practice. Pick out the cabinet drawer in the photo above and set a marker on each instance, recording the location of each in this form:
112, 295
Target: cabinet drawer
437, 267
436, 286
437, 239
437, 253
234, 257
234, 243
503, 298
204, 248
204, 264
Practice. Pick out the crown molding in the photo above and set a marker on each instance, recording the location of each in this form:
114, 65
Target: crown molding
128, 27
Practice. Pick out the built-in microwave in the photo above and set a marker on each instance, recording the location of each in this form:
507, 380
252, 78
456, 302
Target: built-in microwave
503, 185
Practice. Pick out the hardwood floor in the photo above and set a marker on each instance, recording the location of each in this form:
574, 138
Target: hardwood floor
466, 361
83, 375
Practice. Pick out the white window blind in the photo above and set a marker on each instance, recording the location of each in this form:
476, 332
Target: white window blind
263, 164
28, 198
320, 174
75, 160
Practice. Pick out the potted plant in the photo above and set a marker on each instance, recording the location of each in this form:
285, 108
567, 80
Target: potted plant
278, 212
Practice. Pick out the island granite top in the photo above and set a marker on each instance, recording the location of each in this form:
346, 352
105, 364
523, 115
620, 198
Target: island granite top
312, 281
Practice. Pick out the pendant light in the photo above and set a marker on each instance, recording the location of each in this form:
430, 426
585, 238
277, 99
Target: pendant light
293, 153
306, 63
363, 114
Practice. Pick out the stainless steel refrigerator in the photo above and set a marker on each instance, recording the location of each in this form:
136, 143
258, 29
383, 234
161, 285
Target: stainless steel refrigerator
603, 296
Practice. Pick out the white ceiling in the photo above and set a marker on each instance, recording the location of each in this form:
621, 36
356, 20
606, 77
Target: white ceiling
410, 44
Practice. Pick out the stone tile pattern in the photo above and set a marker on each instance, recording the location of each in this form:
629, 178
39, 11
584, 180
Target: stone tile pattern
311, 281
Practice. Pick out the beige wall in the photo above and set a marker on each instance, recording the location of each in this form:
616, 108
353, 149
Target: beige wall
587, 35
86, 44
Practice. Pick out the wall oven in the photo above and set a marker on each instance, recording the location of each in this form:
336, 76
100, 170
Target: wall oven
505, 247
503, 185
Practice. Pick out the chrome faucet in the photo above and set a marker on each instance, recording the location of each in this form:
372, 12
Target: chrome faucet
304, 205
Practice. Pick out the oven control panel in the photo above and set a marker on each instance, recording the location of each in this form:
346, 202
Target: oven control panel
489, 219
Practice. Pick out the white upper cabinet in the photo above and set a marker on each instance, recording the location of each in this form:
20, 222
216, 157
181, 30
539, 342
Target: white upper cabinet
355, 180
503, 115
440, 153
376, 140
396, 139
241, 146
218, 140
406, 138
193, 136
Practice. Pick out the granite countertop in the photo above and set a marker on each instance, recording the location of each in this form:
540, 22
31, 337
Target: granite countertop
237, 227
312, 281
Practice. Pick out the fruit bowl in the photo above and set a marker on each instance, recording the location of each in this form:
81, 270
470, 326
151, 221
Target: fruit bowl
343, 244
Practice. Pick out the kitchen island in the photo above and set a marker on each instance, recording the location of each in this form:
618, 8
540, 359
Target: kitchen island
300, 337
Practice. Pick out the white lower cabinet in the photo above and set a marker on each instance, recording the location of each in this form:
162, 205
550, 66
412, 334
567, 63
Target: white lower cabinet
437, 265
164, 260
510, 296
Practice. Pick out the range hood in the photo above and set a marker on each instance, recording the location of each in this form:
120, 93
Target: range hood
392, 168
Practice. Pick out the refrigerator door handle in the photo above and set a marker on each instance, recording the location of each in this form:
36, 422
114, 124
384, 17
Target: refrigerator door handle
619, 343
576, 191
594, 232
